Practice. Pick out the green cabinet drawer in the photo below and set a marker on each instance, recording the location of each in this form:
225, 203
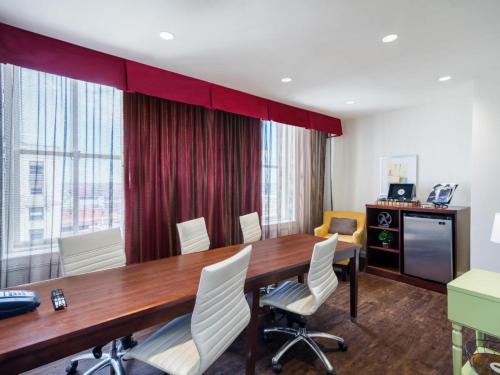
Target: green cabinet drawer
475, 312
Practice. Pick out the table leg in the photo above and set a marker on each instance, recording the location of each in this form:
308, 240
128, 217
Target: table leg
456, 339
479, 339
252, 333
353, 279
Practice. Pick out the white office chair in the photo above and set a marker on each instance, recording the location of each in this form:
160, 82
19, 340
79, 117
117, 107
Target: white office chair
189, 345
304, 299
193, 236
94, 252
252, 232
250, 227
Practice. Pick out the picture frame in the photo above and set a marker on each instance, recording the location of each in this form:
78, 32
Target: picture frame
397, 169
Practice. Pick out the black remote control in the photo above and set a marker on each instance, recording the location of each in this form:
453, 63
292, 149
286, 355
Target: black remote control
58, 300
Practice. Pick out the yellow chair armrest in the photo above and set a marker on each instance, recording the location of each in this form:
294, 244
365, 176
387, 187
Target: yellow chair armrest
357, 236
320, 231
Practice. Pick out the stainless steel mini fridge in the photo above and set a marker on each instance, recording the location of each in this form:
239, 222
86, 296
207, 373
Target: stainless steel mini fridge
428, 246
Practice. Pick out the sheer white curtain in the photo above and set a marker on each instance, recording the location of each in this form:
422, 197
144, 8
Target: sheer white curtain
289, 179
61, 168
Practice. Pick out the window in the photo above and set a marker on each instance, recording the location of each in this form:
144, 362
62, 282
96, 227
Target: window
62, 158
36, 177
291, 158
36, 213
278, 173
36, 235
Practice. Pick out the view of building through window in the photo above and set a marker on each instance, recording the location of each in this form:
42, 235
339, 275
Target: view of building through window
278, 172
65, 145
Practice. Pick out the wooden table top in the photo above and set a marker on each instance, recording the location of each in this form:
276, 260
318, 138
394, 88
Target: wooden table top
112, 303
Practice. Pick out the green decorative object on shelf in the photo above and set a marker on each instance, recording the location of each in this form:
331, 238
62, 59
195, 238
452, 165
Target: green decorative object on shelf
386, 237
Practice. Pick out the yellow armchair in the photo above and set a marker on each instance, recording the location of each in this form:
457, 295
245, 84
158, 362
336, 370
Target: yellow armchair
357, 237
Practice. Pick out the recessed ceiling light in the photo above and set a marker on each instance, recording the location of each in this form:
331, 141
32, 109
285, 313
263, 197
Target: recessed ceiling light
350, 102
286, 79
166, 35
389, 38
444, 78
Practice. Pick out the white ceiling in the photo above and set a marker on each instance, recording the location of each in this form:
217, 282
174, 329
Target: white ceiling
331, 48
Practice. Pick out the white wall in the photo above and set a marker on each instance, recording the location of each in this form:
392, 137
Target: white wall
439, 133
485, 197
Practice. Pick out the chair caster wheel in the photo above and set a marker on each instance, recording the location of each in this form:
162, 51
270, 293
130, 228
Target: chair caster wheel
293, 319
97, 352
331, 372
128, 342
272, 316
343, 346
277, 368
71, 369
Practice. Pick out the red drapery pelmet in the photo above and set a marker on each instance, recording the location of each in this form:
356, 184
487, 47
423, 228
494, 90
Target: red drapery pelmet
39, 52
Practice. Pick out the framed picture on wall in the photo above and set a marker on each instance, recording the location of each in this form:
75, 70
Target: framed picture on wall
400, 169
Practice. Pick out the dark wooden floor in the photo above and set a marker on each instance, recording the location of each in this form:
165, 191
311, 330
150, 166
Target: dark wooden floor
400, 329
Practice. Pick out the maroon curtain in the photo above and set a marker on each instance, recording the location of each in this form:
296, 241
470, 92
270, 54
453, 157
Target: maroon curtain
181, 162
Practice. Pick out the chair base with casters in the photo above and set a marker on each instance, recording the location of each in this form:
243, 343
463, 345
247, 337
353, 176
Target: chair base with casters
111, 359
298, 335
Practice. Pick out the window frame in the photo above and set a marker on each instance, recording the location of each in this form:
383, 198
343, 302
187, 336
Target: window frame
16, 149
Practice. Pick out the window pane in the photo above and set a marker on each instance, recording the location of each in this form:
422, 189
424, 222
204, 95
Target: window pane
280, 167
36, 213
100, 194
99, 119
36, 177
45, 111
36, 235
46, 210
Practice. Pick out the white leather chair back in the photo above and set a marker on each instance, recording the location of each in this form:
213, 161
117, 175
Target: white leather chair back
321, 278
193, 236
250, 227
221, 311
92, 252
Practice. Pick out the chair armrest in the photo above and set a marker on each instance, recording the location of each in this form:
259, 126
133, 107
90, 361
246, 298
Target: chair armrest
357, 236
321, 231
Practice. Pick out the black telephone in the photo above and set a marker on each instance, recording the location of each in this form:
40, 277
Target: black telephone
15, 302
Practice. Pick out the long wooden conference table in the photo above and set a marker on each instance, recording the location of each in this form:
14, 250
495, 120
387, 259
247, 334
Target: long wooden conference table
112, 303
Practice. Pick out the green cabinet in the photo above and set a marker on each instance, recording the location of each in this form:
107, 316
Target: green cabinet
474, 302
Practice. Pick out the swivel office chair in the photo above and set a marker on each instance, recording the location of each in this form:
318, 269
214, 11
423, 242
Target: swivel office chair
190, 344
301, 299
88, 253
193, 236
250, 227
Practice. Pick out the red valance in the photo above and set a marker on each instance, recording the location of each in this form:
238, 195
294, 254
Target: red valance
287, 114
238, 102
325, 123
35, 51
167, 85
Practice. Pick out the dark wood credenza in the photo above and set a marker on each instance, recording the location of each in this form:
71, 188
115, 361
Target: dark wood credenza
389, 261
